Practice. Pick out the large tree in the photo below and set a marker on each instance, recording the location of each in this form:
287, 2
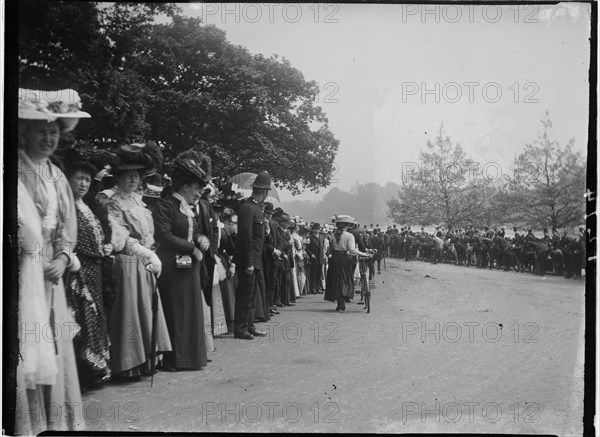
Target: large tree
548, 182
180, 83
445, 188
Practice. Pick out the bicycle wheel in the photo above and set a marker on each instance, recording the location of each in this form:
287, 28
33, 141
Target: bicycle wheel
365, 289
368, 302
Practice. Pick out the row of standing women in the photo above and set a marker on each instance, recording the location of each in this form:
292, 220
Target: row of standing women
91, 268
88, 271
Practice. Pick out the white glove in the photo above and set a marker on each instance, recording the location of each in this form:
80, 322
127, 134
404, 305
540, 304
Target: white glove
75, 265
152, 262
204, 242
154, 265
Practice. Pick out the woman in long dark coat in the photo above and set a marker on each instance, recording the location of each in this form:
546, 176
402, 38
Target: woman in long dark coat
180, 287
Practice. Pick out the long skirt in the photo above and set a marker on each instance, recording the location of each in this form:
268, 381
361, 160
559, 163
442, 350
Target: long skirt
302, 281
339, 277
218, 313
130, 319
210, 341
85, 298
56, 407
295, 288
181, 298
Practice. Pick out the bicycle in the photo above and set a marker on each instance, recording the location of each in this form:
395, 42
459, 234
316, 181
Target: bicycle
365, 291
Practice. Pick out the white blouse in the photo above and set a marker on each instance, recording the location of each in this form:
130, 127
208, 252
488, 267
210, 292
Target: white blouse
346, 243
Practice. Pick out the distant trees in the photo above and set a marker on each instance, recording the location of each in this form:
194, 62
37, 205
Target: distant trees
445, 189
365, 202
546, 187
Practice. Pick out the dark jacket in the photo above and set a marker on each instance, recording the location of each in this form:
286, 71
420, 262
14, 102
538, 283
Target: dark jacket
377, 244
358, 239
315, 248
284, 245
250, 236
171, 228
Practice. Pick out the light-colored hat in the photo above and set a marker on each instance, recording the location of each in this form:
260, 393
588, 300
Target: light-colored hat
50, 106
343, 218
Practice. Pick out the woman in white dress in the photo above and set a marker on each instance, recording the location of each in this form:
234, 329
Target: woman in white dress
49, 395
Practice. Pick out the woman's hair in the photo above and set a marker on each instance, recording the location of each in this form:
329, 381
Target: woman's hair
227, 217
179, 179
340, 227
72, 168
25, 125
118, 173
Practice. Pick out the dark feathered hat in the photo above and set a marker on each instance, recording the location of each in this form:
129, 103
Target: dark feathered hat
194, 164
268, 208
75, 159
146, 157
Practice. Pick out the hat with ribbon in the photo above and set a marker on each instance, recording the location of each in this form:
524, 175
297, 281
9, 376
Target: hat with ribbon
146, 157
64, 105
343, 218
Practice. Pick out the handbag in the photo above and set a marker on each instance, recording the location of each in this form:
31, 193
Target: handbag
183, 261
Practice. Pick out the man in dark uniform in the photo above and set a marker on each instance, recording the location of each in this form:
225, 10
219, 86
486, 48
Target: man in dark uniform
248, 257
317, 258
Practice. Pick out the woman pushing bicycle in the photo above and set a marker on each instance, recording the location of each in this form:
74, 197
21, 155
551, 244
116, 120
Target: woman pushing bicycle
339, 283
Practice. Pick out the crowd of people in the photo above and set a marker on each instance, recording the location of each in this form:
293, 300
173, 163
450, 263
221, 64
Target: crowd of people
487, 247
144, 274
121, 274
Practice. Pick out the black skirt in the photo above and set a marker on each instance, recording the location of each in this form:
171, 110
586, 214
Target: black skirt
339, 281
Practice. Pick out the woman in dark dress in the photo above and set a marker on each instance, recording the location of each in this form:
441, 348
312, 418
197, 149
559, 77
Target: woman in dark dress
340, 285
180, 287
87, 288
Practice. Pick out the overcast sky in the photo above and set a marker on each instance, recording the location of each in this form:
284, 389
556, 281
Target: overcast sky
494, 71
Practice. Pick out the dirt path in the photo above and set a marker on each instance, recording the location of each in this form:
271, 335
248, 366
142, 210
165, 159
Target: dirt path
445, 349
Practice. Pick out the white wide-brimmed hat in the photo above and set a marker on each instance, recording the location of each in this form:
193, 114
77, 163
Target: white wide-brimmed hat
51, 105
343, 218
